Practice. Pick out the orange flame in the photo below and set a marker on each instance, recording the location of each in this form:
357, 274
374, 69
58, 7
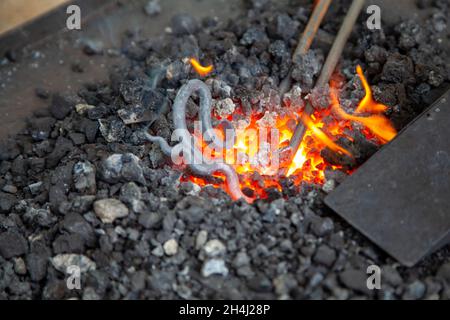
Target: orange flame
319, 134
201, 70
367, 104
377, 123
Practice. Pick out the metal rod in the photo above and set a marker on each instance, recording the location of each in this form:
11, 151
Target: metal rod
328, 69
306, 39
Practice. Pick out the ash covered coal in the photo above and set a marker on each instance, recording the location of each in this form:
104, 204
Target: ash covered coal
78, 186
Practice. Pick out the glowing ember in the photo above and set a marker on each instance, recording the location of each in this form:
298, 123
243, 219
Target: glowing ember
201, 70
259, 151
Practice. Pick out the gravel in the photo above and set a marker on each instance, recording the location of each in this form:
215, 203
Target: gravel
108, 210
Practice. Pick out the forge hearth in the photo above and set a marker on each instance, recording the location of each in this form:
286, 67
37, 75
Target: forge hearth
92, 180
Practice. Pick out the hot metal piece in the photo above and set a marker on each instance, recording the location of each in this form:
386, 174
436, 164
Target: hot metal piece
400, 198
194, 158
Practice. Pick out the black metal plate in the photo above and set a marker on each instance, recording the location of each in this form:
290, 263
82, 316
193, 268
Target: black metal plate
400, 198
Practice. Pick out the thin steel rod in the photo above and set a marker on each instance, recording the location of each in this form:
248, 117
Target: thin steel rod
306, 39
328, 69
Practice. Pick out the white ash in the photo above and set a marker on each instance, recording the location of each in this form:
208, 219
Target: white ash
269, 120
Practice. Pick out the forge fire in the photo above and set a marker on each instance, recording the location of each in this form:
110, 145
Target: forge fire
260, 151
238, 149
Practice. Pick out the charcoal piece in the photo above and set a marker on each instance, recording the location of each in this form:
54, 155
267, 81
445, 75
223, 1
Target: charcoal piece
254, 35
113, 130
40, 128
152, 104
19, 166
219, 88
42, 93
150, 220
77, 138
283, 27
410, 34
76, 224
320, 97
184, 24
37, 260
84, 177
90, 129
61, 106
376, 54
403, 190
62, 147
56, 195
306, 67
7, 201
82, 204
325, 256
40, 217
122, 167
279, 50
97, 112
131, 91
68, 243
355, 280
12, 244
8, 149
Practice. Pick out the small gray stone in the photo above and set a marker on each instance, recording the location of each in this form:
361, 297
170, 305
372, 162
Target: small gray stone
444, 272
84, 177
158, 251
108, 210
19, 266
150, 220
355, 280
224, 108
35, 188
325, 255
6, 202
122, 167
12, 244
213, 249
10, 189
321, 227
201, 239
90, 294
391, 276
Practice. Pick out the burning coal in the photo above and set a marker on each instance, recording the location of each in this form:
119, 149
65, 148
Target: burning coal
247, 157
